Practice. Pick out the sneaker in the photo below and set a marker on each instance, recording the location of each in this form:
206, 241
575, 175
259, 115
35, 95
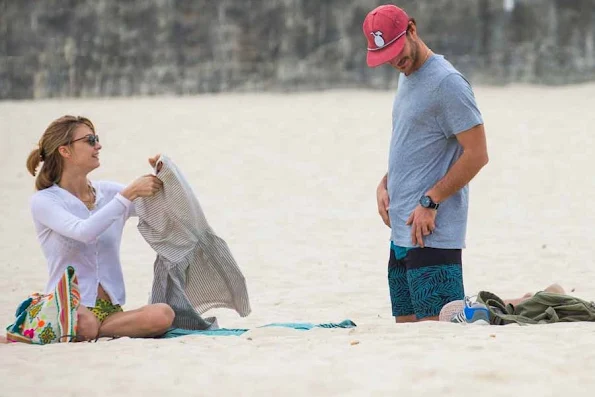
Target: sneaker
473, 312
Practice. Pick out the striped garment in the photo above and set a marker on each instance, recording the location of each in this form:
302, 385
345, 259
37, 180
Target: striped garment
194, 269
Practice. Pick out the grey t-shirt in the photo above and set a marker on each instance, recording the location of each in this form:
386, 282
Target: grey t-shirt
431, 106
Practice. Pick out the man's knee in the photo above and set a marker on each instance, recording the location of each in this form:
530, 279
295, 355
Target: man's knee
406, 319
159, 316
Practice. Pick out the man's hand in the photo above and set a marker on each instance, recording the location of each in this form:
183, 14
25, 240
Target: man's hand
422, 221
383, 201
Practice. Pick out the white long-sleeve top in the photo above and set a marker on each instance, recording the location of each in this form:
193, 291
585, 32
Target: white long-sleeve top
89, 241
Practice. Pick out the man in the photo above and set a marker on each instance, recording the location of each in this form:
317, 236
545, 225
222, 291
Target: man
438, 145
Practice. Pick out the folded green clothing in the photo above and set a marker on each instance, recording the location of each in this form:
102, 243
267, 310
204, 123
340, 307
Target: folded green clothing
541, 308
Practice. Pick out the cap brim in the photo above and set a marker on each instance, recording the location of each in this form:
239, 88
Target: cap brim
379, 57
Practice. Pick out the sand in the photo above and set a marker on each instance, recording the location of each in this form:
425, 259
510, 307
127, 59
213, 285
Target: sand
289, 182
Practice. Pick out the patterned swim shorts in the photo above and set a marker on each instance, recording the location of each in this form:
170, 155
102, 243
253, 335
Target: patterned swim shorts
422, 280
104, 308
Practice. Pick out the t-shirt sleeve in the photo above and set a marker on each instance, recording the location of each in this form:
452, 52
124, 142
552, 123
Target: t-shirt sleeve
457, 109
50, 212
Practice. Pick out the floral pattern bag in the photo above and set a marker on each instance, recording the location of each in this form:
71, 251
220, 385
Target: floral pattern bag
48, 318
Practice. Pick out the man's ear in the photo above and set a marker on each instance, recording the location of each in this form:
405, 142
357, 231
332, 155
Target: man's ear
412, 29
64, 152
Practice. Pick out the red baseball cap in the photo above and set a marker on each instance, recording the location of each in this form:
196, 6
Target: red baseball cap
385, 28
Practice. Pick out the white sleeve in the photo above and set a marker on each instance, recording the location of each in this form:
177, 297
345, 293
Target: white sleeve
116, 187
132, 211
51, 213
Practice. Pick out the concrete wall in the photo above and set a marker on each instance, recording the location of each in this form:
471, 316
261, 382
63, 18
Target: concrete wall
70, 48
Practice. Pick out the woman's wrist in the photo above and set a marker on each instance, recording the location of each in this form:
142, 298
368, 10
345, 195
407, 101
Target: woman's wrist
129, 193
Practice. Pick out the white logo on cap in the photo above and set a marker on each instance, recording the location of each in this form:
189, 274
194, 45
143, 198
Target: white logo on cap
378, 40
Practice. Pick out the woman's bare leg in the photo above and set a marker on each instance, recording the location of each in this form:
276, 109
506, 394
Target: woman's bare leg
145, 322
88, 325
148, 321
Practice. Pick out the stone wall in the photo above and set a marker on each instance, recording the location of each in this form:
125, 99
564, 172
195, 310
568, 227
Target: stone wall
90, 48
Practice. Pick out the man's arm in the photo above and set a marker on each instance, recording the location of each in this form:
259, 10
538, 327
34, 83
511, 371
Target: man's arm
474, 157
459, 117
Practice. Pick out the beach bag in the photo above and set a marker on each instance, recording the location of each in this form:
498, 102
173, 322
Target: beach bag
541, 308
48, 318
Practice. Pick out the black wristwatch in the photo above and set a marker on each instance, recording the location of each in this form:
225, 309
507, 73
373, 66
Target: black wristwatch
427, 202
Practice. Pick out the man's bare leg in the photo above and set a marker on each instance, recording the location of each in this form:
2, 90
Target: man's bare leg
432, 318
406, 319
145, 322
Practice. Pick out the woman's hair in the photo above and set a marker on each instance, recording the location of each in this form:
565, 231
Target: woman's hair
59, 133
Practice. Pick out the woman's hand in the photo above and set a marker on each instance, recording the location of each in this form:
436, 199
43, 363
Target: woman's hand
144, 186
153, 161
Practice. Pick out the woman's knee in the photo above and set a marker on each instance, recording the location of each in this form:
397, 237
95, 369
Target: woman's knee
161, 316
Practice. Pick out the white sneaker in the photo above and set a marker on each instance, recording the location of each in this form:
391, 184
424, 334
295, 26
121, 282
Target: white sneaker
473, 312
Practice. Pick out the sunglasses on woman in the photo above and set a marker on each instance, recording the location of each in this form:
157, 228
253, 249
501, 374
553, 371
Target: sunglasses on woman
92, 139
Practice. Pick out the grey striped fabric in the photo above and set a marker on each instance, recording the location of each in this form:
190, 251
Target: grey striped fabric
194, 269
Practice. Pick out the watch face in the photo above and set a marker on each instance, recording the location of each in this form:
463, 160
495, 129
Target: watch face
425, 201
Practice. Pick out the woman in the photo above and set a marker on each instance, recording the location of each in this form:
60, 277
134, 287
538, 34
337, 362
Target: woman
80, 222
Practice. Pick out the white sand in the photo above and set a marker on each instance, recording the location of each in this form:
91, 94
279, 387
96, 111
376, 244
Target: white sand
289, 182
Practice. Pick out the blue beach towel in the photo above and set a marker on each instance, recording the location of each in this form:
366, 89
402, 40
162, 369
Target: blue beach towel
176, 332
